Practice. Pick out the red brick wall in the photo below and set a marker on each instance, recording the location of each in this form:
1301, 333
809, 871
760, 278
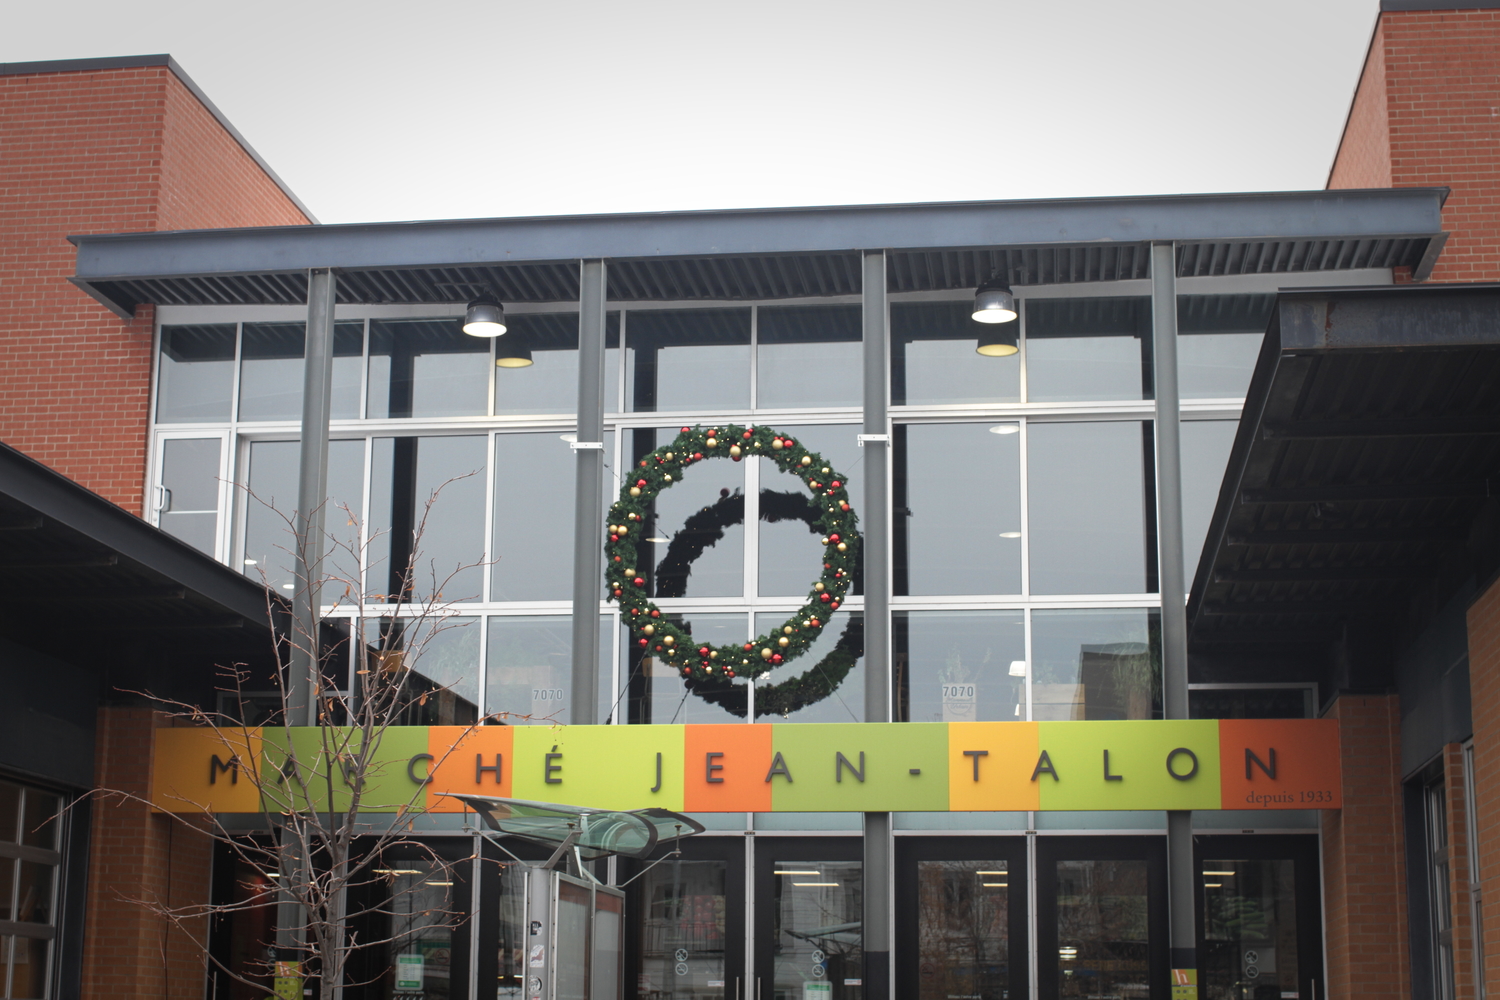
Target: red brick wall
1364, 870
1364, 155
1461, 918
1484, 693
1441, 76
90, 152
138, 856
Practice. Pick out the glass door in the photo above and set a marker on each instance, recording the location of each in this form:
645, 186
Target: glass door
1259, 918
1102, 918
961, 918
809, 919
685, 931
191, 479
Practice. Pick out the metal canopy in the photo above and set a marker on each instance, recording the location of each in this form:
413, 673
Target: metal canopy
770, 253
87, 582
597, 833
1370, 443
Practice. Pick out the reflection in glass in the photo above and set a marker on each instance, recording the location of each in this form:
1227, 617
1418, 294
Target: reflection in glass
1205, 455
550, 383
656, 691
271, 366
808, 356
29, 975
1096, 664
529, 667
834, 685
271, 503
1218, 338
446, 663
959, 666
195, 380
1250, 703
7, 887
687, 359
513, 944
1088, 508
683, 904
34, 892
817, 919
1079, 349
957, 507
790, 550
693, 541
572, 928
427, 368
963, 933
427, 517
533, 535
189, 496
1102, 929
933, 358
422, 911
1249, 930
10, 812
40, 826
609, 948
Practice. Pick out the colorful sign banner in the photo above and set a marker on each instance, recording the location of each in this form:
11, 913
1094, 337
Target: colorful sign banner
777, 767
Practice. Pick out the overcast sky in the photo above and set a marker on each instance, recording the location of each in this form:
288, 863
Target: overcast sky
379, 110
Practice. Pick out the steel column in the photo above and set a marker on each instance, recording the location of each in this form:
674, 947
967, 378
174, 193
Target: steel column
312, 495
879, 875
1170, 573
588, 501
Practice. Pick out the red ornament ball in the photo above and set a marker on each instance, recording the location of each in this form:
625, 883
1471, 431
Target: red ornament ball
639, 582
748, 647
655, 613
776, 658
642, 642
747, 435
702, 650
614, 538
729, 672
687, 671
686, 430
833, 538
640, 482
825, 596
844, 506
835, 484
834, 605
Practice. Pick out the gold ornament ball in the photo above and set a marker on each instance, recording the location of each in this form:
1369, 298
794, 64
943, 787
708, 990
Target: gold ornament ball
667, 640
635, 491
807, 460
818, 586
622, 530
825, 540
783, 641
714, 655
825, 470
776, 444
668, 456
669, 477
765, 654
649, 630
787, 630
712, 442
843, 547
630, 572
734, 451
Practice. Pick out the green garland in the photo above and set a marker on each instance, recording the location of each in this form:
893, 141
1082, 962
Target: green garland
667, 465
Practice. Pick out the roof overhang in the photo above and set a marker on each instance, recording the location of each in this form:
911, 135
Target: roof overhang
1368, 448
770, 253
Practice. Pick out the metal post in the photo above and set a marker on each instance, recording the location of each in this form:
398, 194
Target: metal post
588, 501
878, 872
1180, 882
312, 496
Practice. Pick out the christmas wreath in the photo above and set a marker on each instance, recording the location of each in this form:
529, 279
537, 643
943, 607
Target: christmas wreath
711, 667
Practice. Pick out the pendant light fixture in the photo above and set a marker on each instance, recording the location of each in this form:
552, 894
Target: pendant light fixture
513, 352
995, 306
485, 317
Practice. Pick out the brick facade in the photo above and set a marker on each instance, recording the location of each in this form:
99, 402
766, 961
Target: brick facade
1427, 114
1484, 690
1364, 870
1461, 917
97, 151
139, 858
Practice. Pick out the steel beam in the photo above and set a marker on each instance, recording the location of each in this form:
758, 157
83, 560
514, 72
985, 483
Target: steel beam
312, 495
588, 498
1371, 492
1347, 536
1418, 427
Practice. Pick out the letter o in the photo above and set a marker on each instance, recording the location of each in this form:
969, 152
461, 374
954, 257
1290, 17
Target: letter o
1173, 756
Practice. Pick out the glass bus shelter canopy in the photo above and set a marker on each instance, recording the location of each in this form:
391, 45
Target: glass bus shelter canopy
601, 832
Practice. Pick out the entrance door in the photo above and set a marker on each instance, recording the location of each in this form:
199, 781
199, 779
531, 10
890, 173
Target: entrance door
809, 913
1101, 917
961, 918
685, 932
1259, 918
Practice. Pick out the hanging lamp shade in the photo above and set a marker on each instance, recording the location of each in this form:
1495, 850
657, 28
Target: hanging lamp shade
994, 303
513, 352
997, 341
485, 317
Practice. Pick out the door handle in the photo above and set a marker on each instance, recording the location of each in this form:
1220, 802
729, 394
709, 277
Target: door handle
163, 499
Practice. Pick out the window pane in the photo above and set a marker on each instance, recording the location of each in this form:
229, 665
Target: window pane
270, 545
1088, 508
963, 934
7, 888
1205, 454
1088, 349
1102, 929
684, 906
1249, 929
427, 368
816, 921
40, 828
34, 893
934, 358
791, 555
1095, 664
959, 666
957, 506
271, 367
533, 536
442, 544
694, 535
447, 658
824, 684
550, 383
529, 669
1218, 338
656, 691
808, 356
190, 497
196, 379
10, 812
688, 359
